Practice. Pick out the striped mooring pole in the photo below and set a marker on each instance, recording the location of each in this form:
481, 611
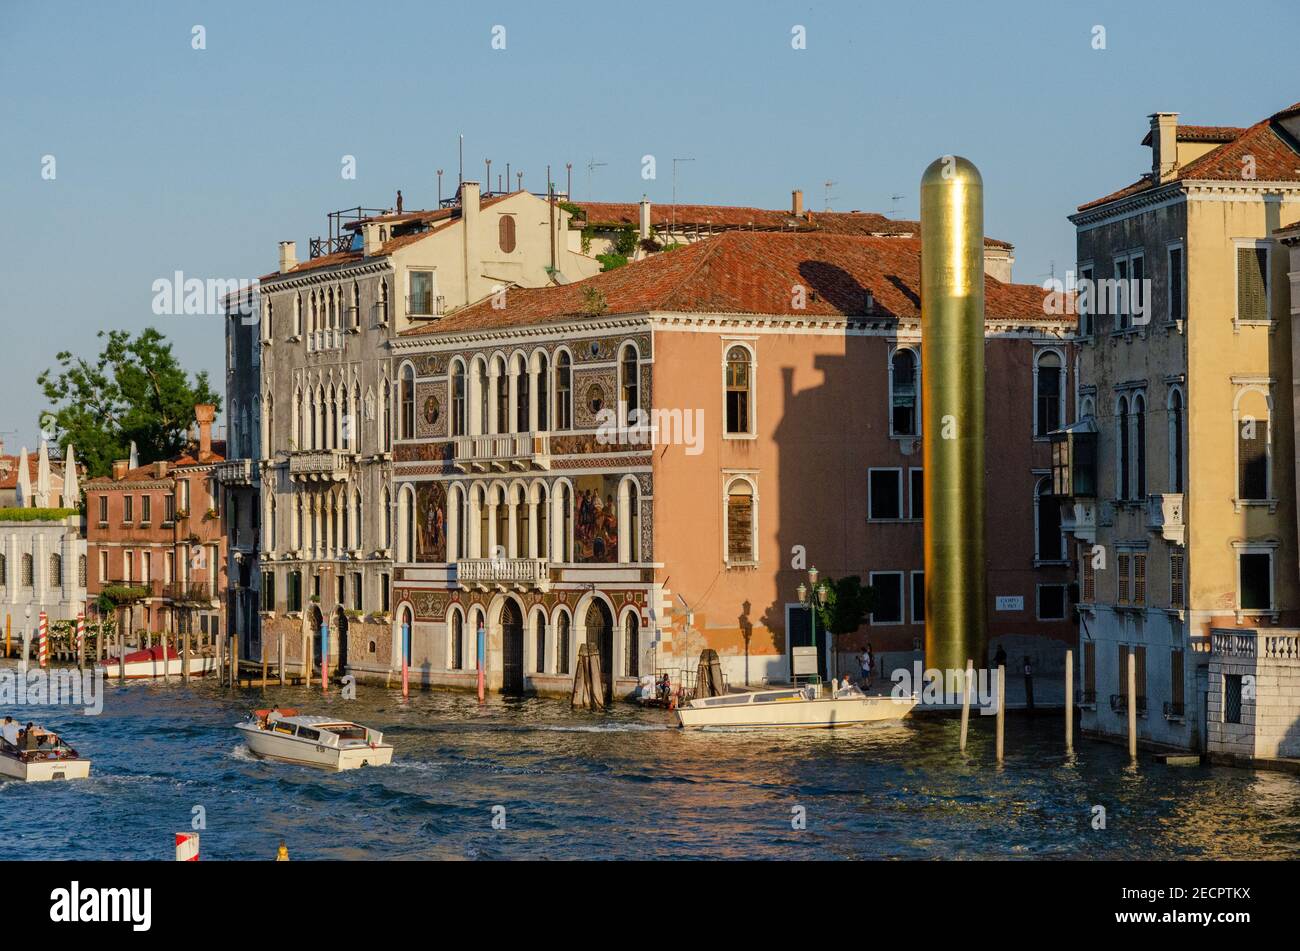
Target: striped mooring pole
43, 641
187, 846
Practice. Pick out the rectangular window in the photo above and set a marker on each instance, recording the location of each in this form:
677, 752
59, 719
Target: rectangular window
146, 566
356, 592
1140, 661
169, 508
1176, 584
1256, 591
1121, 581
146, 509
1087, 576
268, 590
103, 566
383, 593
1232, 698
918, 597
1252, 459
126, 567
128, 508
1177, 298
1121, 298
884, 494
295, 591
1122, 668
738, 385
1086, 303
1052, 602
1176, 697
1252, 284
184, 486
1139, 578
917, 493
889, 597
103, 510
420, 301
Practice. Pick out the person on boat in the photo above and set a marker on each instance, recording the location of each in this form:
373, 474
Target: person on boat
10, 731
866, 661
30, 740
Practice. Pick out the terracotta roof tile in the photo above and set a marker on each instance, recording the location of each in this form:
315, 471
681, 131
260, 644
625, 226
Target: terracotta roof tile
750, 273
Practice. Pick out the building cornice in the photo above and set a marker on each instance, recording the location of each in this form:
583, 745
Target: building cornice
1182, 190
325, 275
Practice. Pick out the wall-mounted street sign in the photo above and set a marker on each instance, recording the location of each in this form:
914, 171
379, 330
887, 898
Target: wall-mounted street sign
1010, 602
803, 660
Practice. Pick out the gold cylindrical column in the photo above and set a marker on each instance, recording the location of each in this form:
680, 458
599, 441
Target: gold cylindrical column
952, 408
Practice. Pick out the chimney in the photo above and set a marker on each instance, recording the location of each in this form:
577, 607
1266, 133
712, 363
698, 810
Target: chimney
643, 218
796, 203
204, 414
371, 239
160, 469
288, 256
469, 212
119, 469
1164, 146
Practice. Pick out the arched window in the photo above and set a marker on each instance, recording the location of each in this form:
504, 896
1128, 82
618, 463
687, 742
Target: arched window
1175, 440
4, 572
408, 402
1139, 447
629, 521
540, 644
457, 640
631, 645
1049, 541
503, 396
386, 503
81, 571
563, 392
543, 522
479, 397
630, 386
386, 419
543, 394
903, 417
28, 580
314, 313
356, 519
522, 396
458, 398
56, 570
1123, 455
1048, 389
519, 502
506, 233
269, 318
562, 643
297, 314
406, 507
502, 522
355, 317
739, 383
741, 523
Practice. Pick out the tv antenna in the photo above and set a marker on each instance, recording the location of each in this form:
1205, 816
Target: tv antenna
893, 208
829, 197
592, 165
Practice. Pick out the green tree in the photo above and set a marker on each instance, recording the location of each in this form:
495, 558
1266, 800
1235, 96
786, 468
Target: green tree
135, 390
848, 603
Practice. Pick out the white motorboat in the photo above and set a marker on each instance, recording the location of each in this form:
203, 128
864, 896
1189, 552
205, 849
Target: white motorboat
313, 741
149, 663
44, 757
808, 707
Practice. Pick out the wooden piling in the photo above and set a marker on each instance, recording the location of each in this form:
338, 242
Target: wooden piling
121, 655
1069, 701
1002, 709
162, 639
234, 660
262, 642
221, 660
279, 638
185, 656
965, 701
1132, 706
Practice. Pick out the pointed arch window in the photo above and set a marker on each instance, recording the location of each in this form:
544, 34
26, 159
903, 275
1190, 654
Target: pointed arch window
408, 402
458, 399
563, 392
739, 386
903, 417
630, 385
1175, 440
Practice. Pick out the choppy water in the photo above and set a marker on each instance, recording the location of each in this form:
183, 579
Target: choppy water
621, 785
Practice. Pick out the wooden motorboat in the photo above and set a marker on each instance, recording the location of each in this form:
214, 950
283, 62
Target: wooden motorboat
813, 706
46, 757
149, 663
324, 742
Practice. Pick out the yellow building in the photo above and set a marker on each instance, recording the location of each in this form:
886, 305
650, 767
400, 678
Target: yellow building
1182, 500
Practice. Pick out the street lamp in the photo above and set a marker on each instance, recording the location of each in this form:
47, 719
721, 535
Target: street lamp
819, 599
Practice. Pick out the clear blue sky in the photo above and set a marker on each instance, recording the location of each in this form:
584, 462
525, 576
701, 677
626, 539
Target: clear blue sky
172, 159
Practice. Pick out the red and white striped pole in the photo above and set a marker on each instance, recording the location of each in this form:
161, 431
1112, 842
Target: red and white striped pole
81, 635
43, 641
187, 846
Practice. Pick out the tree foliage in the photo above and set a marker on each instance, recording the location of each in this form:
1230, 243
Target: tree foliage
134, 390
848, 603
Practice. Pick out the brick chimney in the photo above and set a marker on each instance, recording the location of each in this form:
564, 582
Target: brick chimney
204, 414
160, 469
371, 239
469, 216
796, 203
1164, 146
288, 256
119, 469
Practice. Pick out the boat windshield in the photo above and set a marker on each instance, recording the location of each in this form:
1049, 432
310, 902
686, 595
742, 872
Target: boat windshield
348, 731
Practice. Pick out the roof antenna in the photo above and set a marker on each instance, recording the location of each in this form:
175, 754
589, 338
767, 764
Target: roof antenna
893, 209
829, 197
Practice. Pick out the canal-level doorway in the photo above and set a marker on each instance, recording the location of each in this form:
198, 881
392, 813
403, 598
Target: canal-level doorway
341, 628
600, 634
512, 647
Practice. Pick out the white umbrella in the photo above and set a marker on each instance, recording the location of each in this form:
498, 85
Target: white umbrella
24, 480
70, 488
134, 462
43, 476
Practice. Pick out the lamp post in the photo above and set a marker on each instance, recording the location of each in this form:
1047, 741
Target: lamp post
818, 599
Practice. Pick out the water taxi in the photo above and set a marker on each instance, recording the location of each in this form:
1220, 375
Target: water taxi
313, 741
149, 663
810, 707
41, 758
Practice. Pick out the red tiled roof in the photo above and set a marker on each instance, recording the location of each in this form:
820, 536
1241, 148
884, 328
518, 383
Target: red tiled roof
612, 214
1273, 152
9, 470
149, 473
1203, 133
747, 272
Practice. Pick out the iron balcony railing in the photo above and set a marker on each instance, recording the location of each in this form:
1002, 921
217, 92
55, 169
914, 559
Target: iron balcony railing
191, 592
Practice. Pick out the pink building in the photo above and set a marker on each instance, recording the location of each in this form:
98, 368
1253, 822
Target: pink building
781, 373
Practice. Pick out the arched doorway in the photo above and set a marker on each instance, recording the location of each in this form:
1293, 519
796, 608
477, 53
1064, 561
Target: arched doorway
341, 622
512, 644
316, 620
600, 634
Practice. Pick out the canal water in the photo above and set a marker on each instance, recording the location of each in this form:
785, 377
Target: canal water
626, 784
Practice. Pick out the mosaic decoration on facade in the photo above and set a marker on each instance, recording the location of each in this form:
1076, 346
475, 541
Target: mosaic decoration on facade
430, 410
595, 529
430, 522
424, 452
593, 390
430, 364
605, 349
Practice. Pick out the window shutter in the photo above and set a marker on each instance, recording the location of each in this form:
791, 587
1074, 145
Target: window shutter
740, 527
1252, 461
1252, 284
1176, 579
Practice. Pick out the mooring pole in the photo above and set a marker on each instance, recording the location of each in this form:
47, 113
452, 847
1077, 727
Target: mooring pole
1132, 706
1002, 710
1069, 701
185, 656
482, 657
324, 656
234, 660
965, 701
406, 647
279, 639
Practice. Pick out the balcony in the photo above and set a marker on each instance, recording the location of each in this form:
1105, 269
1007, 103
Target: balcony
319, 465
1079, 518
191, 592
503, 451
234, 472
425, 305
1165, 517
327, 339
503, 573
